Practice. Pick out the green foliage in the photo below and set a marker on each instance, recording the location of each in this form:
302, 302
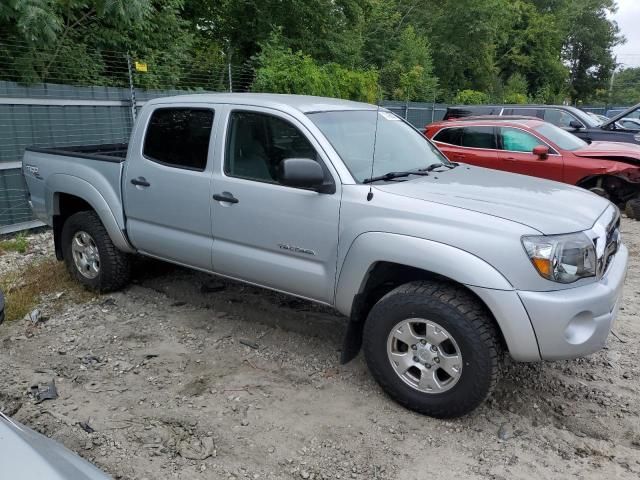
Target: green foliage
471, 97
19, 244
280, 70
516, 88
420, 50
408, 75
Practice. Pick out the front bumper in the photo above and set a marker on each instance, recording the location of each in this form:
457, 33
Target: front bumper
576, 322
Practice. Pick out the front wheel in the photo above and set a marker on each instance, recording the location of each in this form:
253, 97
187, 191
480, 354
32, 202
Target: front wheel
90, 255
433, 348
632, 208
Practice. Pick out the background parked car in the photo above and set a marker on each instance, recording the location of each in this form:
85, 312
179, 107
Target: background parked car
571, 119
599, 118
532, 147
629, 123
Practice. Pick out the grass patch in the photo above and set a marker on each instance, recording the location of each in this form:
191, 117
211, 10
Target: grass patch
24, 288
19, 244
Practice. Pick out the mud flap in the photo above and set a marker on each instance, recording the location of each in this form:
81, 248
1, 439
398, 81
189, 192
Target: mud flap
353, 336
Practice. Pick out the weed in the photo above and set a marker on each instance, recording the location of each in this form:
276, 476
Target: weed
19, 244
23, 289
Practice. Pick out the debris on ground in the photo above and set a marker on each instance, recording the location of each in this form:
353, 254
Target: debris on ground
40, 393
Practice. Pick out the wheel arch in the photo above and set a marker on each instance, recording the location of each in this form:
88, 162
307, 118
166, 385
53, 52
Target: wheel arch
71, 195
379, 262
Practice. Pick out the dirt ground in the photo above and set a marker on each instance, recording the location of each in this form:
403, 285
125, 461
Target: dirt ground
186, 376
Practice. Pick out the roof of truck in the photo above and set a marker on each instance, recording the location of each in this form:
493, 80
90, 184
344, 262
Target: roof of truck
303, 103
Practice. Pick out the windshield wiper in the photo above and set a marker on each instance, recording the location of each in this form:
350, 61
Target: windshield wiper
433, 166
391, 175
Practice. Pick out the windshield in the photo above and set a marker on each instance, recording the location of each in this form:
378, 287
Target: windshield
398, 146
562, 138
584, 117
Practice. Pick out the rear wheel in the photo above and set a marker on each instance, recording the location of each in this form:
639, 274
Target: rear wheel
90, 255
433, 348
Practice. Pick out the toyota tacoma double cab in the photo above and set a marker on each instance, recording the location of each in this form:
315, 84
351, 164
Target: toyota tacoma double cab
440, 267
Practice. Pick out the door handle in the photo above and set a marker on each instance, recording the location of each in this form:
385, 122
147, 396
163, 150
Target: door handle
140, 182
225, 197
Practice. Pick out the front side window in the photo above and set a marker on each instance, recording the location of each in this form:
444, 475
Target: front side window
479, 137
179, 137
452, 136
258, 142
559, 117
515, 140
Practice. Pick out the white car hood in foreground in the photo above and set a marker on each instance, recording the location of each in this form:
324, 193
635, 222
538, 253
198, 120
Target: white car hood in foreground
549, 207
27, 455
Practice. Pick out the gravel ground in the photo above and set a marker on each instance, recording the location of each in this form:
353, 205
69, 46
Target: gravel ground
187, 376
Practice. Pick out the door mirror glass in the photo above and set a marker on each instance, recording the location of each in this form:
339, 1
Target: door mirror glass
301, 173
541, 151
575, 124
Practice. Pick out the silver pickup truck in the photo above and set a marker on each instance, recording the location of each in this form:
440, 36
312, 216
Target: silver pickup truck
440, 267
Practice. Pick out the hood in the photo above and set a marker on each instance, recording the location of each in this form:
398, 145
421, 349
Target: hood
620, 116
627, 152
546, 206
25, 455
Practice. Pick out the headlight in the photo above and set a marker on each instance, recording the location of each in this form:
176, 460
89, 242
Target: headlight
562, 258
636, 137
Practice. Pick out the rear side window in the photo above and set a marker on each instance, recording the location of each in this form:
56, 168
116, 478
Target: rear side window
179, 137
451, 136
479, 137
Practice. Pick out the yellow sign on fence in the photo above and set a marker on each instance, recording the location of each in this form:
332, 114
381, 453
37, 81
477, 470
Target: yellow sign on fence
141, 67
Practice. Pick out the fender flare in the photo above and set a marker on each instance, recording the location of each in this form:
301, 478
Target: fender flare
435, 257
71, 185
460, 266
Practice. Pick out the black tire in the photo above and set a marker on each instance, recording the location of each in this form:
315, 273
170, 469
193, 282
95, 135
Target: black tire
459, 313
632, 208
115, 266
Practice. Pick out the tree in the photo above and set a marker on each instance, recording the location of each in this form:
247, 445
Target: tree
280, 70
471, 97
408, 74
588, 45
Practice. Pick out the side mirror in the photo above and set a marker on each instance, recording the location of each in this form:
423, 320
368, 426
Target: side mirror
303, 173
576, 125
541, 151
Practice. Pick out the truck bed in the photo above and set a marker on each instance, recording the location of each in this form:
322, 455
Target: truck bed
111, 152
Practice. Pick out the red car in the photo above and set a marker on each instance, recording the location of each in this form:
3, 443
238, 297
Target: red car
530, 146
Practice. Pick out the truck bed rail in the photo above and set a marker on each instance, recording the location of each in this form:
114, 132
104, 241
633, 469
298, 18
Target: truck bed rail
113, 152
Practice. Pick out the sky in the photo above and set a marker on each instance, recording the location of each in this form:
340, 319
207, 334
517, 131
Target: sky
628, 18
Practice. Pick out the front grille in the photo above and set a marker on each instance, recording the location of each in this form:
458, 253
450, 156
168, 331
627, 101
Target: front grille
607, 239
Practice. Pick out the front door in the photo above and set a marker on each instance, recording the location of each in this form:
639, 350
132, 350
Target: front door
167, 187
266, 233
516, 155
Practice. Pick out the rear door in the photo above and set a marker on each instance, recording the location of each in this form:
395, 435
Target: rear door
516, 155
167, 185
476, 145
267, 233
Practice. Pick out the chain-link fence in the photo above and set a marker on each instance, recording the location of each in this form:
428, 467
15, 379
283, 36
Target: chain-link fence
56, 102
